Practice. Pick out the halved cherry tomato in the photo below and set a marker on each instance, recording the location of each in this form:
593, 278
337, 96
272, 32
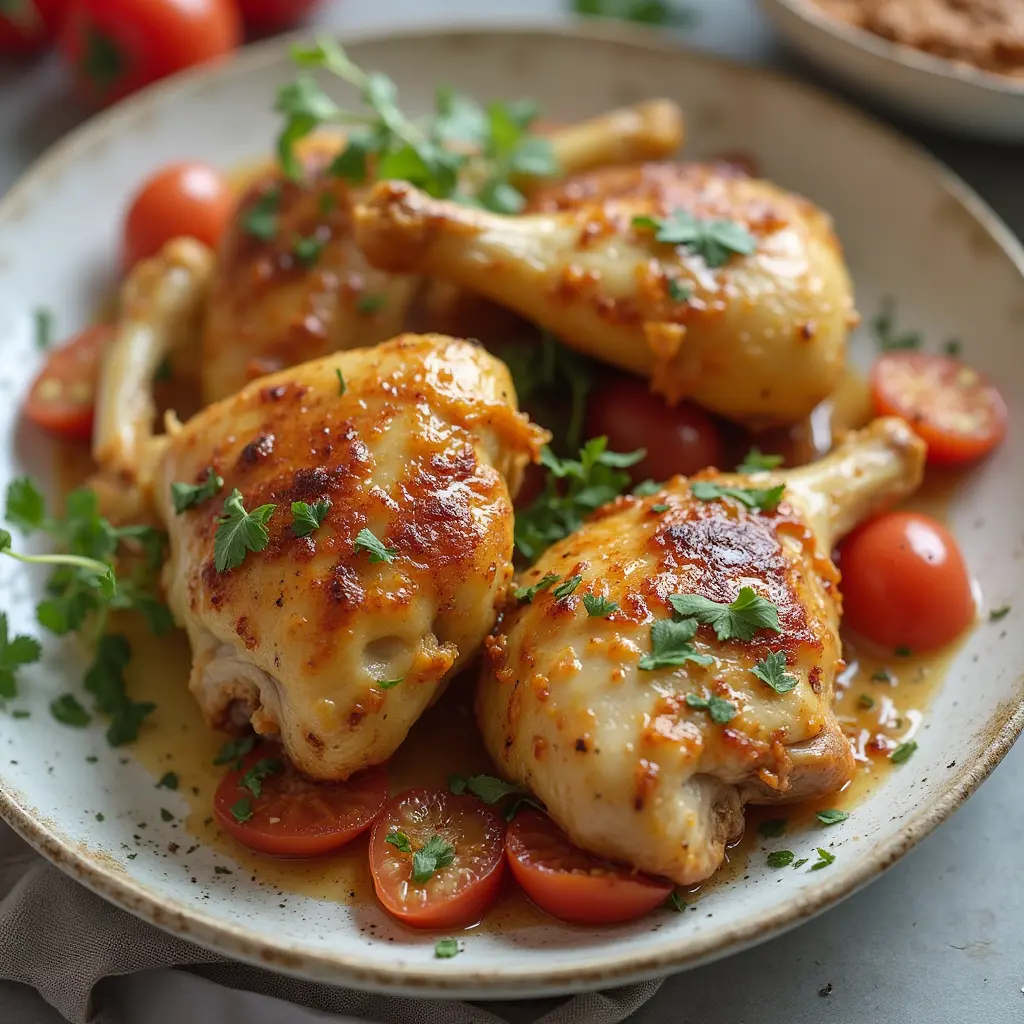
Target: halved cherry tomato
274, 15
63, 397
118, 46
293, 816
678, 439
905, 583
27, 25
953, 408
181, 199
570, 883
456, 894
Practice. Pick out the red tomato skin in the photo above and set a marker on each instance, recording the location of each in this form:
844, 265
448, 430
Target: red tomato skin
467, 907
117, 46
678, 439
191, 199
285, 840
274, 15
614, 897
34, 29
905, 583
74, 364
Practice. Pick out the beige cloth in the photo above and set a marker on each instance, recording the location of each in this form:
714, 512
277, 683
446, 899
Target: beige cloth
63, 941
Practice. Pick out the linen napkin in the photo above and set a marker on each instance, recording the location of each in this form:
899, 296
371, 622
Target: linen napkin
63, 940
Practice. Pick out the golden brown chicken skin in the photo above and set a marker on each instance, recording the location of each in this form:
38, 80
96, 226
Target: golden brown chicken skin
632, 760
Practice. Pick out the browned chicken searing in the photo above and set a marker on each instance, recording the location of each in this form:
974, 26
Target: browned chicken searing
643, 728
759, 337
291, 285
334, 639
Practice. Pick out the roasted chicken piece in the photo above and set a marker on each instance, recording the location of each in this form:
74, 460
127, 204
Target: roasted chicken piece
333, 638
759, 338
291, 285
648, 758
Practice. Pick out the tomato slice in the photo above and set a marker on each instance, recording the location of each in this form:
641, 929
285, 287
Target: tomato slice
467, 877
574, 885
292, 816
949, 405
63, 396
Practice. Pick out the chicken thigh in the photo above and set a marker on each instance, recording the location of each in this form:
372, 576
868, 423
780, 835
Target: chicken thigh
645, 720
758, 336
340, 532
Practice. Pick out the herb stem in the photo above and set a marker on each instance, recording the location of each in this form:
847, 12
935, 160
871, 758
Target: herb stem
79, 561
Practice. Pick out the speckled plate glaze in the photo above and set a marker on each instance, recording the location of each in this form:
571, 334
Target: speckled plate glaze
910, 229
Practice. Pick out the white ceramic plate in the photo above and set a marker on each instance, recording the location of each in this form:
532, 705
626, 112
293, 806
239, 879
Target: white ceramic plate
946, 94
910, 229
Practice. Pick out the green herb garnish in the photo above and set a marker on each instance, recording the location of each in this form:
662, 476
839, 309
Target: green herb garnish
260, 220
341, 381
780, 858
169, 780
445, 949
68, 710
998, 614
235, 750
242, 810
738, 620
15, 652
252, 780
598, 607
766, 499
566, 588
306, 518
715, 241
43, 319
674, 902
903, 752
368, 542
831, 817
772, 828
435, 854
399, 840
720, 710
771, 670
525, 595
186, 496
756, 461
387, 684
239, 532
824, 859
671, 647
369, 304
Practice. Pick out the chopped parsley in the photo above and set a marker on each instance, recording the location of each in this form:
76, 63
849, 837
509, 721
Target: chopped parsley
865, 700
341, 381
659, 508
15, 652
252, 780
881, 675
387, 684
235, 750
239, 532
598, 607
780, 858
645, 12
831, 816
566, 588
400, 841
165, 815
902, 652
738, 620
824, 859
242, 810
671, 647
998, 614
715, 241
721, 710
525, 595
219, 869
43, 319
68, 710
766, 499
674, 902
169, 780
903, 752
756, 461
260, 220
888, 336
105, 681
445, 949
771, 670
678, 291
488, 788
307, 249
368, 542
186, 496
435, 854
953, 347
306, 518
369, 304
772, 828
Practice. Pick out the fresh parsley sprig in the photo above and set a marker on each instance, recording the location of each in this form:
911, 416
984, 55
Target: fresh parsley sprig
15, 652
766, 499
644, 12
306, 518
239, 532
493, 790
715, 241
738, 620
434, 854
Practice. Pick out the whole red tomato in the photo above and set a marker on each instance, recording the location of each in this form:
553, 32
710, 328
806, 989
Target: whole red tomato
27, 25
274, 15
118, 46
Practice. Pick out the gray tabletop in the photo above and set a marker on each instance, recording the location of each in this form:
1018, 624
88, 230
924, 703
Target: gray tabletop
940, 938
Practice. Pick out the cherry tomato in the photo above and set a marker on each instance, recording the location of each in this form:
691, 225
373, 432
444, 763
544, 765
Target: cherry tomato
678, 439
954, 409
62, 398
118, 46
274, 15
27, 25
457, 893
293, 816
905, 583
181, 199
570, 883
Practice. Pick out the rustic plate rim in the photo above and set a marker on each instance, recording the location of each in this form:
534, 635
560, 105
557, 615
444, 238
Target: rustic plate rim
446, 978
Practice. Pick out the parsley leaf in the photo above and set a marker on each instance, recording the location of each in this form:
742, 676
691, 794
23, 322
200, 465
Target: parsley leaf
831, 816
445, 949
185, 496
400, 841
307, 518
903, 752
370, 304
105, 681
68, 710
566, 588
435, 854
756, 461
488, 788
671, 647
252, 780
772, 671
678, 291
772, 828
766, 499
739, 620
525, 595
387, 684
865, 700
341, 381
646, 488
260, 220
780, 858
241, 811
169, 780
720, 710
824, 859
235, 750
598, 607
998, 614
572, 491
674, 902
716, 241
239, 532
307, 249
366, 541
26, 507
14, 653
888, 336
43, 319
